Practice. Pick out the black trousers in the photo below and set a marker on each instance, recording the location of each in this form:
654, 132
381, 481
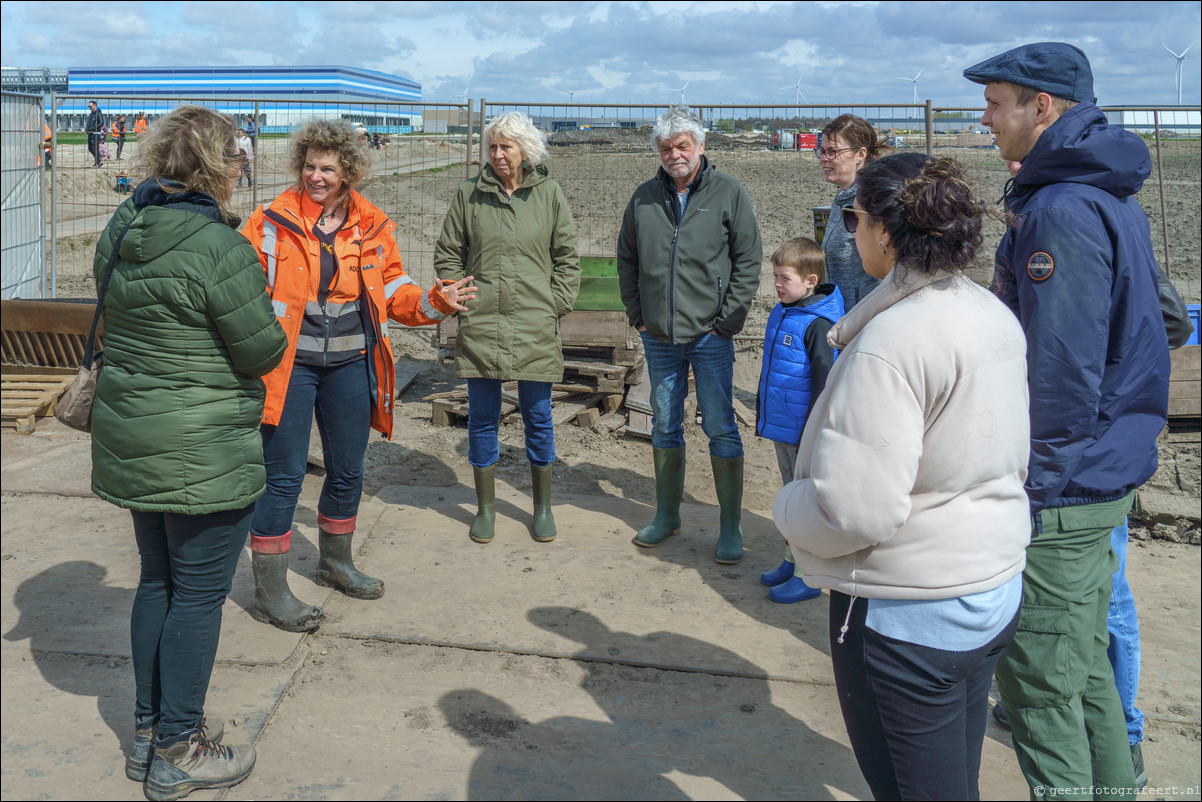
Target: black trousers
915, 715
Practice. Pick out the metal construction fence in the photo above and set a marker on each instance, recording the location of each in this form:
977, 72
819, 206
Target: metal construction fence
598, 152
21, 219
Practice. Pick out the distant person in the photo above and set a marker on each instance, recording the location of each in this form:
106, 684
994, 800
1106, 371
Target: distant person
252, 130
94, 127
797, 359
335, 278
848, 144
511, 229
689, 266
1078, 270
118, 132
908, 500
140, 124
248, 151
188, 331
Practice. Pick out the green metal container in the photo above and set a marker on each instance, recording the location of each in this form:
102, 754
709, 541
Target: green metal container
599, 285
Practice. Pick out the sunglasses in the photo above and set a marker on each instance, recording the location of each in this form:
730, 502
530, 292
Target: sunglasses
830, 153
851, 220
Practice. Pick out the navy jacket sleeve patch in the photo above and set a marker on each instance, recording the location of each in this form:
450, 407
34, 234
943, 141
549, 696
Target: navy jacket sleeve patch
1040, 266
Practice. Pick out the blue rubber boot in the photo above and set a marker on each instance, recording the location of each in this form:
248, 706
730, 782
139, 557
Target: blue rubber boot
779, 575
793, 591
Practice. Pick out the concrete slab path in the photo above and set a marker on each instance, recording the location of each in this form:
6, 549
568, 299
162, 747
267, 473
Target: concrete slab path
586, 668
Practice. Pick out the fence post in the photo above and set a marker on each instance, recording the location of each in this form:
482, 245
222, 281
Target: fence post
1164, 220
930, 128
254, 168
482, 153
467, 161
54, 156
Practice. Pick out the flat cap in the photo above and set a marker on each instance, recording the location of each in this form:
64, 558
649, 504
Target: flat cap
1057, 68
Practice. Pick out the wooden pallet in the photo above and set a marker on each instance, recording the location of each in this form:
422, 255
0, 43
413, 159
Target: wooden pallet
27, 397
1185, 383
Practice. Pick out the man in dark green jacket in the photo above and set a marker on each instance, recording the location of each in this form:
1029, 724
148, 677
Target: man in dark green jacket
689, 265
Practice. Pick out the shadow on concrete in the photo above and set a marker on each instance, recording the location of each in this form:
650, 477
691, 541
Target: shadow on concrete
73, 597
721, 727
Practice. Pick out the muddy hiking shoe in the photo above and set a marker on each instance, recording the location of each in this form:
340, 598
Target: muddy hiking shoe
196, 763
138, 761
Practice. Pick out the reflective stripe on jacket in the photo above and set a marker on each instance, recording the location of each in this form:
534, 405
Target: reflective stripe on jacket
290, 255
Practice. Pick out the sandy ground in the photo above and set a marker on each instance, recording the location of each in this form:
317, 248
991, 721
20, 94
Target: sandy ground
586, 668
414, 185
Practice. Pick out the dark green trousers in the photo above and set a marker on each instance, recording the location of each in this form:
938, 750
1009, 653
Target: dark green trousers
1055, 679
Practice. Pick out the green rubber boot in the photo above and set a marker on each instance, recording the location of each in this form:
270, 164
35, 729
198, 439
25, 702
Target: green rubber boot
336, 568
669, 490
486, 505
728, 482
274, 602
544, 520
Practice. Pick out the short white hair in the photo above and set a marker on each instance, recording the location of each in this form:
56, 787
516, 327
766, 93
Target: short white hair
674, 122
519, 128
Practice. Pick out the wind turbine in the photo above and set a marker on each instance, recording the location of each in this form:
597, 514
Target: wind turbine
914, 81
463, 97
571, 95
681, 90
798, 94
1180, 61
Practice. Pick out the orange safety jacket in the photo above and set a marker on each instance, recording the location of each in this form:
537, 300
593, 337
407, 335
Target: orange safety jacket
291, 258
140, 126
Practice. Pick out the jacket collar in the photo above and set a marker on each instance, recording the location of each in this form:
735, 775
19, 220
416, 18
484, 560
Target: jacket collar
1081, 147
489, 181
897, 286
670, 184
294, 208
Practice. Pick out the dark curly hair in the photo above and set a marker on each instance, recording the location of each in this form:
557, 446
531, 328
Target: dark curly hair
927, 206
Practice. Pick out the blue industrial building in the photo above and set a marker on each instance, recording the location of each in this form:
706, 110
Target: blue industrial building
278, 96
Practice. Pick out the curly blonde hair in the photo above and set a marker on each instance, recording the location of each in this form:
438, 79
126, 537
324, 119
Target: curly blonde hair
194, 146
339, 138
517, 127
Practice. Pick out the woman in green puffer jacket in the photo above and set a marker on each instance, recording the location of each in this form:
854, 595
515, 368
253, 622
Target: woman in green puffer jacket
510, 228
188, 329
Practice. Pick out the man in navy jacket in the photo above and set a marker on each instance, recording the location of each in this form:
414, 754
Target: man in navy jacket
1076, 266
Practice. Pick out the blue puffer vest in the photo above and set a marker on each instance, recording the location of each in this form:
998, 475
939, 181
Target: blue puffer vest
784, 394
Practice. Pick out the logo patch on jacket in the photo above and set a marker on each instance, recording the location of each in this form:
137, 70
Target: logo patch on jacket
1040, 266
788, 339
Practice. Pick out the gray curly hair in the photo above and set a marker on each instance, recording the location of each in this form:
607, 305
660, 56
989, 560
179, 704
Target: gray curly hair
674, 122
519, 128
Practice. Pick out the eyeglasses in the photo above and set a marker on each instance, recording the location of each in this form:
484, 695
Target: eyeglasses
850, 221
830, 153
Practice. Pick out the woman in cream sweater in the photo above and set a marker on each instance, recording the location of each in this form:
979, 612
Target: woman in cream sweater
908, 503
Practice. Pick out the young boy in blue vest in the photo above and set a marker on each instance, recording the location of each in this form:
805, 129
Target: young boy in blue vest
797, 359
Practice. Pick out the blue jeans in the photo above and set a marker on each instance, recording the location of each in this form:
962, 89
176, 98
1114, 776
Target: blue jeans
341, 401
713, 362
1124, 638
484, 419
188, 564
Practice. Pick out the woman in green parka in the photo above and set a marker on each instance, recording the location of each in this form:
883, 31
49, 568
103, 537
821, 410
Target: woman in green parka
510, 228
188, 329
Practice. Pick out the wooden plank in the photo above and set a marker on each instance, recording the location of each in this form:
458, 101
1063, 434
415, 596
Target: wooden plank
638, 423
406, 375
613, 420
639, 396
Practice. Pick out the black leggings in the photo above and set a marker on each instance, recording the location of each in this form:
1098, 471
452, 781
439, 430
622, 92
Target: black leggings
915, 715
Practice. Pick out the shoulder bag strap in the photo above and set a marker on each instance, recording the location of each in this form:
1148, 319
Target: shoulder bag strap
89, 352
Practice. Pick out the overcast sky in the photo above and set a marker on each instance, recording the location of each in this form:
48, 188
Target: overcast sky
728, 52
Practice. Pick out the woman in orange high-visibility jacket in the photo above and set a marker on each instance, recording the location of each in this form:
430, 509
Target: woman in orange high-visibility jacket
335, 278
